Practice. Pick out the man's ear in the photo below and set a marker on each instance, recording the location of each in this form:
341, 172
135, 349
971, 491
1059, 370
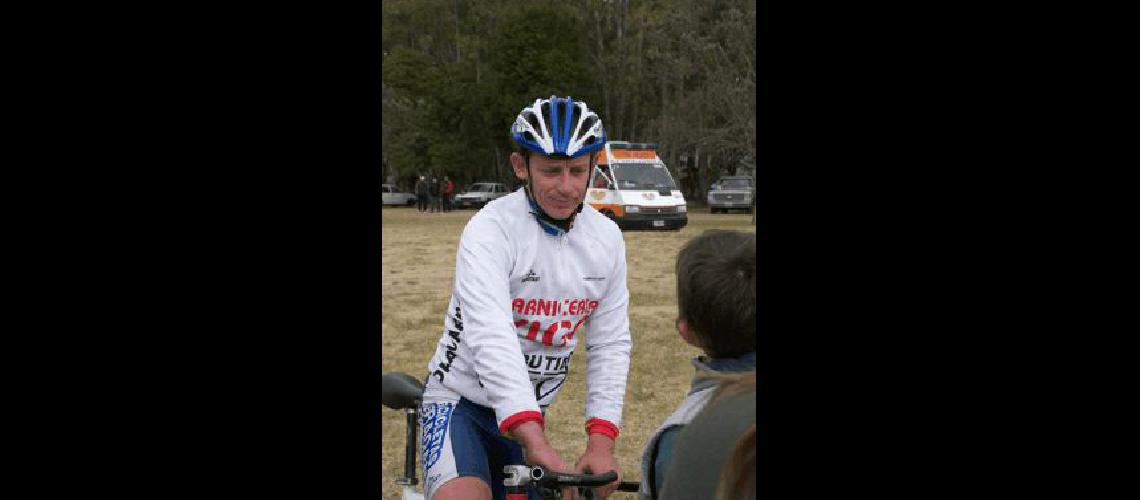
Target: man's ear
687, 334
518, 163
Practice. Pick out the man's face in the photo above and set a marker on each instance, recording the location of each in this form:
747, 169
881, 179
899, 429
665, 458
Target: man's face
558, 185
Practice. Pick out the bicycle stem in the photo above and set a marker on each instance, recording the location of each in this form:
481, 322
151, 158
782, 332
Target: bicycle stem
518, 478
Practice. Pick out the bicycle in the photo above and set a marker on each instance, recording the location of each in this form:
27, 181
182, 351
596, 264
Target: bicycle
400, 391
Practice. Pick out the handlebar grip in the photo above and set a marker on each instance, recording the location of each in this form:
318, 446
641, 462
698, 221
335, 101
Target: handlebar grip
547, 478
586, 493
629, 486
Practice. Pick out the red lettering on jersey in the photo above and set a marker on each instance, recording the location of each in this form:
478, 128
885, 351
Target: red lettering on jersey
593, 306
530, 307
532, 334
548, 335
543, 307
575, 329
566, 336
517, 305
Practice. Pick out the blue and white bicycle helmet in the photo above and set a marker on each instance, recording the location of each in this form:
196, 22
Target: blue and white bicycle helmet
559, 127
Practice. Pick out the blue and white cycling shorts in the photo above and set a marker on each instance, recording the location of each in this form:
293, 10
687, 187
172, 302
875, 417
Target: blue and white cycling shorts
461, 439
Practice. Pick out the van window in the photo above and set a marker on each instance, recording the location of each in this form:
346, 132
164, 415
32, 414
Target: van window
737, 183
643, 176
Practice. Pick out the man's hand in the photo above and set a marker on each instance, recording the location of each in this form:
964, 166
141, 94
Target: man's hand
599, 459
538, 451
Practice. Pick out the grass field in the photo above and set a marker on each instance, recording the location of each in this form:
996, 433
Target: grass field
417, 266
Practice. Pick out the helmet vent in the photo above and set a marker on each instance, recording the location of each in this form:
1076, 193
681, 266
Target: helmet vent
574, 118
587, 124
533, 121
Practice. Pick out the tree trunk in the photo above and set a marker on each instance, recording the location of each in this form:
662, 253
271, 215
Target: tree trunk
713, 170
455, 4
635, 112
601, 64
495, 164
700, 171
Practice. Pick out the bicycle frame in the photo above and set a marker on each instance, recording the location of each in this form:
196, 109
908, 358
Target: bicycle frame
409, 480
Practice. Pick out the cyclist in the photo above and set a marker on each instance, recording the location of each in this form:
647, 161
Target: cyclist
533, 270
716, 291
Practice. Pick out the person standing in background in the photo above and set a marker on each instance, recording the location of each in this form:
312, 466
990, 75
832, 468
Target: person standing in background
434, 190
448, 190
422, 194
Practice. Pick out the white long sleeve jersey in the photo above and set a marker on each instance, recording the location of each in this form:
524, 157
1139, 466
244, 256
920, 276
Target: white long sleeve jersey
521, 300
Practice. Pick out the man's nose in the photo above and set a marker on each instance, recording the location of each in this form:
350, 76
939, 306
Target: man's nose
565, 181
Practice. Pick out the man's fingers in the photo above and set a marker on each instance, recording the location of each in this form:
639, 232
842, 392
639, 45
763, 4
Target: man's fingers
582, 467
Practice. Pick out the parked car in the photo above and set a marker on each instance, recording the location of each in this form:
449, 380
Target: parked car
731, 192
392, 195
480, 193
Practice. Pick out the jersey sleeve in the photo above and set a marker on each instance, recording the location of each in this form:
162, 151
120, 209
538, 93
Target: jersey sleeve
608, 346
482, 282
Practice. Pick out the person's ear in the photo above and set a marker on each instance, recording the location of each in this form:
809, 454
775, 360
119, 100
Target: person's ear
686, 333
518, 163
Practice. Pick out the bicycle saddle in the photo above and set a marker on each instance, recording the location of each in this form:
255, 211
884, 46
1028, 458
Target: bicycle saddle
399, 390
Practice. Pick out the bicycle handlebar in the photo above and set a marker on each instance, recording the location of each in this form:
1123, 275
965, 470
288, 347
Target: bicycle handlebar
543, 477
522, 475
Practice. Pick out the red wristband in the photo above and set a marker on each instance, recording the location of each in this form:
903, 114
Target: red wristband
603, 427
513, 421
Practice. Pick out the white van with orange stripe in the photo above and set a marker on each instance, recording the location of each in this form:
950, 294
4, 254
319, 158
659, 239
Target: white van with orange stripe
631, 185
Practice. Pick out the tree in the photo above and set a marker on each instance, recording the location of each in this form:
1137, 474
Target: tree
456, 72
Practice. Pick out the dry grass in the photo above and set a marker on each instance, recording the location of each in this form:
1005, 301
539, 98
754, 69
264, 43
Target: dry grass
418, 260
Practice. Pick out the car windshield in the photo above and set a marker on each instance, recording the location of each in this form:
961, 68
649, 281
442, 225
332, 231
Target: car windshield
643, 176
736, 184
480, 188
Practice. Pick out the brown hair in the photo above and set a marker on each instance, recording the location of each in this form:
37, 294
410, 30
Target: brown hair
738, 478
716, 291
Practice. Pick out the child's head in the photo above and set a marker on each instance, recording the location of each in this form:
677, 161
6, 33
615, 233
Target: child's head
716, 292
